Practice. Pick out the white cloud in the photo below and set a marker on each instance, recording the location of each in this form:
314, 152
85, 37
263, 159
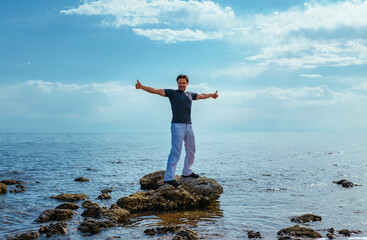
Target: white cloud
169, 12
311, 75
173, 36
310, 36
304, 53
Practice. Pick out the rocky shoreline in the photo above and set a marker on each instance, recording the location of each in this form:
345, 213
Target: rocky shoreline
155, 197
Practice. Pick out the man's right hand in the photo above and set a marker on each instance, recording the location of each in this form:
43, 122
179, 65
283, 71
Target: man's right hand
138, 84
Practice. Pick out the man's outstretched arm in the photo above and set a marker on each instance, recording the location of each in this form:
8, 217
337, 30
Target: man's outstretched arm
160, 92
207, 95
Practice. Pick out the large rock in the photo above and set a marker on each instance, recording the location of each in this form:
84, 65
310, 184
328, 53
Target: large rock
306, 218
58, 228
192, 193
70, 197
3, 188
298, 232
54, 215
115, 214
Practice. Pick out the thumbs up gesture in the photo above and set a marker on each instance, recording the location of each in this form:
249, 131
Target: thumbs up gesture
138, 84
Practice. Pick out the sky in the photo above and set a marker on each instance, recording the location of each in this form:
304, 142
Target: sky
290, 65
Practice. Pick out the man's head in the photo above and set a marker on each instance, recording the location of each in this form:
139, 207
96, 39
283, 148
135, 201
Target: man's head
182, 82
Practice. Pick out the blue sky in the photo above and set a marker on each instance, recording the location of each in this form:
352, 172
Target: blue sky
71, 66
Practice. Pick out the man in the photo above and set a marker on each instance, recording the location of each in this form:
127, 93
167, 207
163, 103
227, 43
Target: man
181, 129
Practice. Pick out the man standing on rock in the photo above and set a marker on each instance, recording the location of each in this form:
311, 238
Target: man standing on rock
181, 128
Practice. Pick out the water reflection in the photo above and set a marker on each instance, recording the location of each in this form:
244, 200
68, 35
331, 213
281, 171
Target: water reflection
189, 218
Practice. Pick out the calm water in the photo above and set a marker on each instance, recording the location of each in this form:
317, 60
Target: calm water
267, 179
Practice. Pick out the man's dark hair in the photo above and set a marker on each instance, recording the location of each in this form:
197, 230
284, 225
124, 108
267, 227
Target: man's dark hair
183, 76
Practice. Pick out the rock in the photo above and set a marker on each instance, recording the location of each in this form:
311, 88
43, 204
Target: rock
58, 228
18, 189
38, 182
92, 212
3, 188
330, 236
115, 214
106, 191
70, 197
345, 232
252, 234
71, 206
92, 226
297, 231
186, 235
345, 183
54, 215
163, 230
306, 218
82, 179
89, 204
25, 236
152, 180
104, 196
91, 169
192, 193
150, 231
11, 182
331, 230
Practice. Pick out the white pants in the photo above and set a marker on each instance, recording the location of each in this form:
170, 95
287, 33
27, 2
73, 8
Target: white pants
180, 132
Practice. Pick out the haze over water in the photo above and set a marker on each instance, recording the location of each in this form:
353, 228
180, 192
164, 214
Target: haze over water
267, 179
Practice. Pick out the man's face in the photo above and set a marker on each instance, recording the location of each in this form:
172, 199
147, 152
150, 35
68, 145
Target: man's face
182, 84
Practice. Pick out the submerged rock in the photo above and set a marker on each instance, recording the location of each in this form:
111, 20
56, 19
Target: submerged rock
70, 197
82, 179
186, 235
18, 189
252, 234
71, 206
58, 228
93, 226
306, 218
25, 236
192, 193
55, 215
297, 231
345, 183
106, 191
330, 236
3, 188
163, 230
104, 196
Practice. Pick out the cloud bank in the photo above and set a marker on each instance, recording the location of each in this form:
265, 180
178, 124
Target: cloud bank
113, 106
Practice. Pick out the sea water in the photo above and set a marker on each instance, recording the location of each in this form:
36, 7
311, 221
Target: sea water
267, 178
